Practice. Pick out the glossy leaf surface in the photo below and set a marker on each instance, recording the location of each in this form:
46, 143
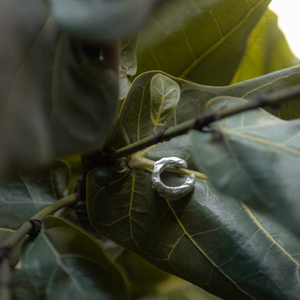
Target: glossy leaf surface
79, 217
267, 50
165, 94
254, 161
202, 40
101, 18
64, 262
209, 239
136, 125
24, 194
55, 97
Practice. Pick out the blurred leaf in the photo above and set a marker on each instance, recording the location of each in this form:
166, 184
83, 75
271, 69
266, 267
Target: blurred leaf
102, 19
142, 276
65, 263
178, 289
112, 250
127, 65
267, 51
256, 162
78, 125
24, 194
56, 98
165, 94
209, 239
200, 40
22, 286
74, 161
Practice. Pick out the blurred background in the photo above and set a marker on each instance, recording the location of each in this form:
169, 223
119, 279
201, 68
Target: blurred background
289, 21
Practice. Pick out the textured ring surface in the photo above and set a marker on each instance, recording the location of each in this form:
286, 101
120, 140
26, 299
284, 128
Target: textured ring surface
171, 193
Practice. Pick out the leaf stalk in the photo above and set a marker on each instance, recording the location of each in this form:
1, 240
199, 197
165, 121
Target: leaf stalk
16, 237
140, 163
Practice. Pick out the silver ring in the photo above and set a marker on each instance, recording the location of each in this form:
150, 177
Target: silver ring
171, 193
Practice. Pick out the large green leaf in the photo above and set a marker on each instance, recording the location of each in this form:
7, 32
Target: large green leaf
24, 194
101, 18
255, 160
56, 98
66, 263
267, 50
200, 40
134, 122
209, 239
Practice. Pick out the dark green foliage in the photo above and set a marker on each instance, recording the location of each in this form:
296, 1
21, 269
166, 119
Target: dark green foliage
236, 235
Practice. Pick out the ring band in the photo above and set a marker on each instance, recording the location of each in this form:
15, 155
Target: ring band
171, 193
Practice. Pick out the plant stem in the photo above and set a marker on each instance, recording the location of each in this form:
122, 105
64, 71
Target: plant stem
21, 232
138, 162
5, 279
270, 99
16, 237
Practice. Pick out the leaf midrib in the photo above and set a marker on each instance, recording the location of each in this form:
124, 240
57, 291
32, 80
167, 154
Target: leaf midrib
191, 239
260, 141
221, 41
255, 219
269, 235
60, 264
160, 107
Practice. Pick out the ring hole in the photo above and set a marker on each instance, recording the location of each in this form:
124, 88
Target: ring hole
172, 179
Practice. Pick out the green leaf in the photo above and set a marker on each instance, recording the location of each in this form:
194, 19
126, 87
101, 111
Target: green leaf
127, 65
267, 50
101, 18
134, 122
79, 217
165, 94
85, 99
22, 286
200, 40
142, 276
209, 239
128, 55
178, 289
24, 194
56, 98
64, 262
255, 159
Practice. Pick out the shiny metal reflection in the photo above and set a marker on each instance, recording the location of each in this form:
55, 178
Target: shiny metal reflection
171, 193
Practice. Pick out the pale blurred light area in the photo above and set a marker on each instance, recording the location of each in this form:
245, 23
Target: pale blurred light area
288, 12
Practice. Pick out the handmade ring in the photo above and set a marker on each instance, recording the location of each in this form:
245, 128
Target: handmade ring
171, 193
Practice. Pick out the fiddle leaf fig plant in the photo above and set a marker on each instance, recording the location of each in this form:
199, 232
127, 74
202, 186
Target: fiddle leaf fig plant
93, 95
